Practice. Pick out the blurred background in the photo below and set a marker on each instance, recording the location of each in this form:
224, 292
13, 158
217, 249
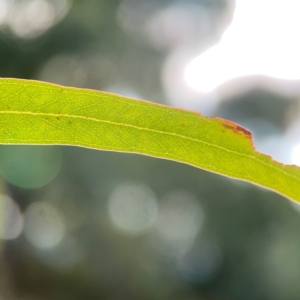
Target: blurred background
83, 224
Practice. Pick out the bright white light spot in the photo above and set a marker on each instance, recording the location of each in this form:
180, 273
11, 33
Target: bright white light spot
11, 219
35, 17
179, 220
28, 19
262, 40
133, 207
296, 155
44, 225
178, 92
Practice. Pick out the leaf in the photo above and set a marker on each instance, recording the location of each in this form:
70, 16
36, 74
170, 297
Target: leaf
37, 113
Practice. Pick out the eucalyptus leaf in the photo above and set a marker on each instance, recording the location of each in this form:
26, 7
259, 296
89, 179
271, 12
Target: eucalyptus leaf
36, 113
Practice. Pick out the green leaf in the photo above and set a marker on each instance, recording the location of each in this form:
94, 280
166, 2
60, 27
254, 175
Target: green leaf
37, 113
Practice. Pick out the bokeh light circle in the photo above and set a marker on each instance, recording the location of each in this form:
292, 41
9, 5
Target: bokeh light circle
201, 263
132, 207
62, 257
179, 220
11, 219
30, 166
44, 225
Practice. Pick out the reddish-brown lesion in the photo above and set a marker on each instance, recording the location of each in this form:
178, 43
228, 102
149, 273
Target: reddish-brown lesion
236, 128
244, 130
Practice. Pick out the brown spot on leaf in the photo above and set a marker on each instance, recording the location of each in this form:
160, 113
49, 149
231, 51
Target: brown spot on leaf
244, 130
236, 128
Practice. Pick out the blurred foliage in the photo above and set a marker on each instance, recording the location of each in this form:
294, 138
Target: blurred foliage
247, 244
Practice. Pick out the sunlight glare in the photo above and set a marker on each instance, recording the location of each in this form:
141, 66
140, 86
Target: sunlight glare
262, 40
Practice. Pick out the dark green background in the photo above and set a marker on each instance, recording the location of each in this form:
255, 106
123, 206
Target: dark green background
256, 232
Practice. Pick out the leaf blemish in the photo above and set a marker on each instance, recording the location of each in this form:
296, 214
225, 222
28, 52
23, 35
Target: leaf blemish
238, 129
244, 130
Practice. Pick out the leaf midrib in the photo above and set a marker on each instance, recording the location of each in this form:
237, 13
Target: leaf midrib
149, 130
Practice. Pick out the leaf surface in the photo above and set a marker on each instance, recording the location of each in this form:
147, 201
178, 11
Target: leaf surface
36, 113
